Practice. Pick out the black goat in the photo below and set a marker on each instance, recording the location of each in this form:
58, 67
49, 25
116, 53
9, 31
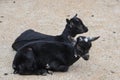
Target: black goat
73, 27
40, 56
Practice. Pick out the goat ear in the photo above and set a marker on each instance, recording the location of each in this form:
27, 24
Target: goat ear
68, 21
75, 15
93, 38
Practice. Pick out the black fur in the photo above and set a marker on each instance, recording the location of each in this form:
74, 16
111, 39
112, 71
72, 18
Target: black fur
33, 57
73, 27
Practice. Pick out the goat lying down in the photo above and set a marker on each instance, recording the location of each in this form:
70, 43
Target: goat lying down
73, 27
41, 56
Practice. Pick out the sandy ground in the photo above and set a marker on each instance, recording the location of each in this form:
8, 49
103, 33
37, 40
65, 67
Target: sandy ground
48, 16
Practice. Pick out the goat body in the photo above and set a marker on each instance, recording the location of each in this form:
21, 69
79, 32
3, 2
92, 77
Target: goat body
40, 56
35, 56
73, 27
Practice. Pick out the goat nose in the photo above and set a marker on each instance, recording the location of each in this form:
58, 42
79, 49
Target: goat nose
85, 57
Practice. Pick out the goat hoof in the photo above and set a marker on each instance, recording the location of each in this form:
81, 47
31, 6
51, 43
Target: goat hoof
15, 72
50, 72
44, 74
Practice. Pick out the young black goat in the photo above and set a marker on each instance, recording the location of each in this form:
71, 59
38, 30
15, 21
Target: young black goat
73, 27
40, 56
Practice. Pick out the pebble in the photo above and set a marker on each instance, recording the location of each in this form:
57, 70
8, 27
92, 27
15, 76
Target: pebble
5, 73
68, 15
0, 21
92, 15
2, 16
114, 32
13, 1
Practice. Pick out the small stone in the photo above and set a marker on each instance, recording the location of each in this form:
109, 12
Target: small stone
92, 15
110, 57
103, 40
114, 32
2, 16
13, 1
88, 74
5, 73
68, 15
0, 21
112, 71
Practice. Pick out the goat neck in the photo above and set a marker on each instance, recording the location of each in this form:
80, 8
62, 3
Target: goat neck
66, 34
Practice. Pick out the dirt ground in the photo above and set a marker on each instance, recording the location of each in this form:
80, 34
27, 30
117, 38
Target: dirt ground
48, 16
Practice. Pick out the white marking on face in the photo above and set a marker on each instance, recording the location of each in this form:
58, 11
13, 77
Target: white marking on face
81, 39
86, 39
47, 66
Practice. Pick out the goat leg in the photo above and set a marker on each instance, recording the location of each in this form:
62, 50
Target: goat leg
55, 66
